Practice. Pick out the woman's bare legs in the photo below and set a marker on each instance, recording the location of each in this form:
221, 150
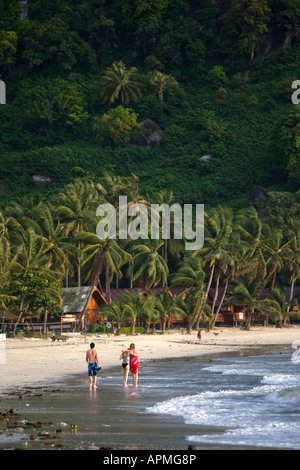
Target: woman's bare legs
135, 379
125, 377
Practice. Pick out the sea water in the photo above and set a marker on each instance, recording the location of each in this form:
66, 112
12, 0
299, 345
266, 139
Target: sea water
251, 401
231, 402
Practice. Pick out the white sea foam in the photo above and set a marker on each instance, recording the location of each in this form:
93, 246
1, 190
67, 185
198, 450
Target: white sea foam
281, 379
256, 401
232, 370
279, 435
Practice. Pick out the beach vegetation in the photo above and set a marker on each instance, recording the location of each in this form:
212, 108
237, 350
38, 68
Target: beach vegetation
149, 267
116, 312
167, 305
134, 307
93, 328
127, 330
190, 275
246, 292
250, 259
150, 314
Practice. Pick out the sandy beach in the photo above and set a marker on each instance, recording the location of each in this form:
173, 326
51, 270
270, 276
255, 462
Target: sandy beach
33, 362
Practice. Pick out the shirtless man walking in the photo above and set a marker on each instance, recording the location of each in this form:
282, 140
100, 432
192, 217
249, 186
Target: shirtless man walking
93, 364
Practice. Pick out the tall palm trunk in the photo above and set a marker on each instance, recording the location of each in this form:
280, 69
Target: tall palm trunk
221, 303
290, 298
163, 326
107, 284
216, 294
20, 315
79, 268
45, 320
133, 327
248, 313
131, 277
206, 292
198, 308
273, 279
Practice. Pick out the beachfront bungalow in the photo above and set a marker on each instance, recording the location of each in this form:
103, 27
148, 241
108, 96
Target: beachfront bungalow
295, 295
234, 315
81, 305
228, 314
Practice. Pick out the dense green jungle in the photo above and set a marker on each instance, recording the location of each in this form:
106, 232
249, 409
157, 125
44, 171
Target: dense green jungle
214, 76
187, 101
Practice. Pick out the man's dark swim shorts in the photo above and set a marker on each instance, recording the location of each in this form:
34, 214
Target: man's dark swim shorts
92, 369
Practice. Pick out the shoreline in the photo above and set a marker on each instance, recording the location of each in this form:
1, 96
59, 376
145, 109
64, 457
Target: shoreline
36, 362
47, 396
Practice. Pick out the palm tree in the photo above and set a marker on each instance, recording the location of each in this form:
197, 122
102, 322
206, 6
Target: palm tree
33, 255
111, 187
134, 305
266, 244
277, 248
237, 264
149, 312
218, 228
278, 296
167, 304
149, 267
188, 305
190, 275
252, 230
56, 241
32, 267
8, 255
8, 258
106, 255
117, 312
247, 291
292, 262
76, 209
9, 225
172, 247
162, 82
250, 226
120, 83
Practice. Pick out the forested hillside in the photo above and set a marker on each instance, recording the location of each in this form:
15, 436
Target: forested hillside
215, 76
186, 101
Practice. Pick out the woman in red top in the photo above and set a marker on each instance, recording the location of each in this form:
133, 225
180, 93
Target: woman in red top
134, 363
